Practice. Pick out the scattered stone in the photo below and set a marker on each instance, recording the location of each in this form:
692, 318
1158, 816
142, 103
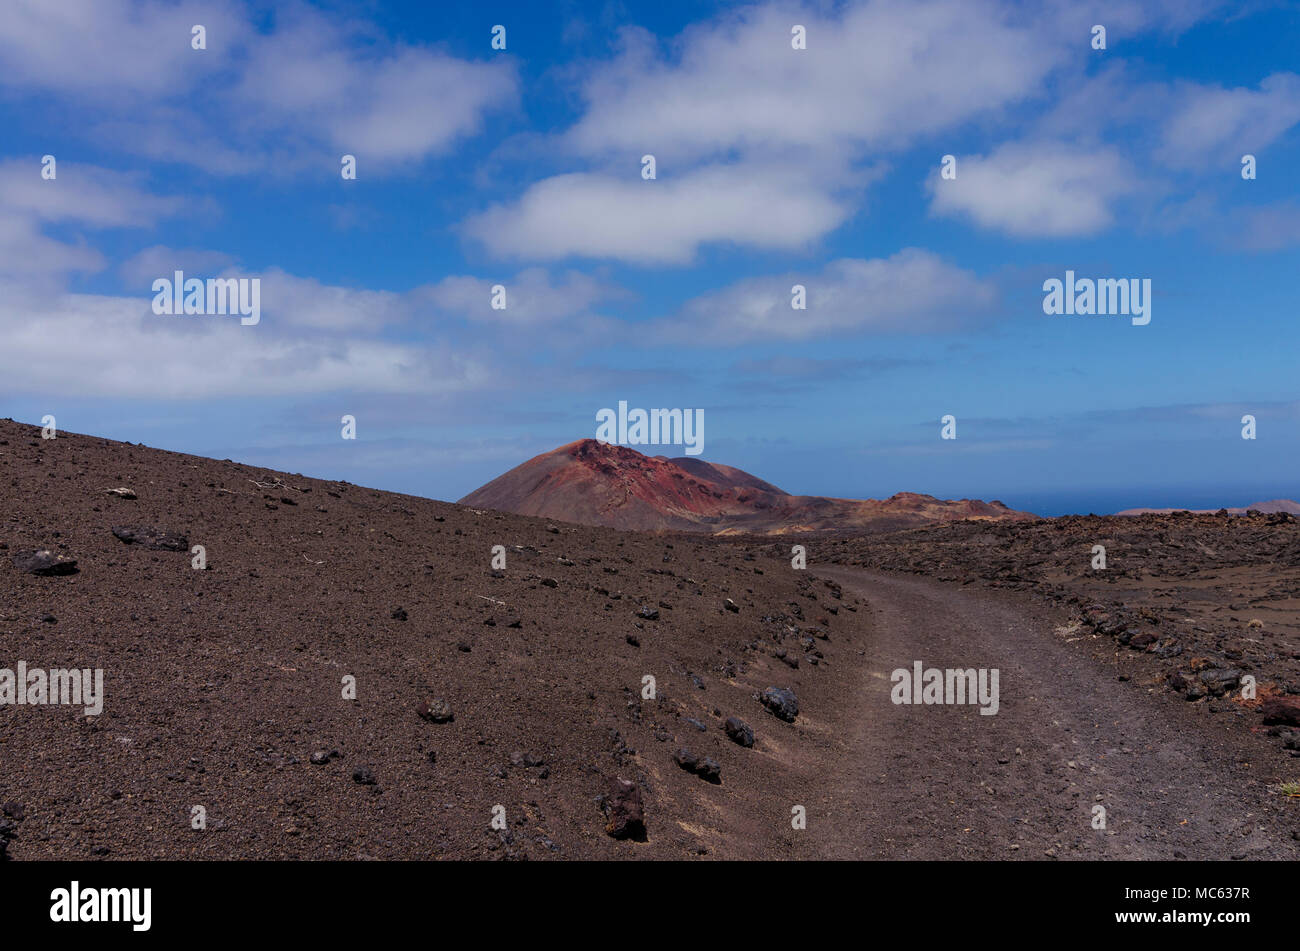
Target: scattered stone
122, 492
624, 811
633, 640
697, 724
399, 614
1283, 710
436, 710
49, 619
1219, 681
705, 768
154, 538
781, 702
321, 757
731, 606
45, 563
7, 832
739, 731
550, 582
649, 613
363, 775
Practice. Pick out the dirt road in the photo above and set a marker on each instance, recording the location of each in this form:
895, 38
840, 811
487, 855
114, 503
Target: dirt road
945, 782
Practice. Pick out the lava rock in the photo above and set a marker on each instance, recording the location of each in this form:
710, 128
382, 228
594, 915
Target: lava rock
1219, 681
739, 731
624, 811
7, 831
436, 710
44, 563
154, 538
703, 767
363, 776
781, 702
1284, 710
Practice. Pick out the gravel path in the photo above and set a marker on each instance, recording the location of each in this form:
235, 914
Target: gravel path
946, 782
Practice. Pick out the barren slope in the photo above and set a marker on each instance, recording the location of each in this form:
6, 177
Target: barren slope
220, 684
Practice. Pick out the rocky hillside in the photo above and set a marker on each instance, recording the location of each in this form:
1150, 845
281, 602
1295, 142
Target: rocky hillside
480, 693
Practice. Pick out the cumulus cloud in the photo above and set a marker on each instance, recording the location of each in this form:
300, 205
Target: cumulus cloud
1211, 124
664, 221
114, 50
1036, 189
385, 102
874, 74
756, 143
765, 146
116, 346
913, 291
126, 70
79, 197
95, 197
533, 299
313, 337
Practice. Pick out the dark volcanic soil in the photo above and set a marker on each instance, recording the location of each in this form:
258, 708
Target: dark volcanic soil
221, 683
521, 688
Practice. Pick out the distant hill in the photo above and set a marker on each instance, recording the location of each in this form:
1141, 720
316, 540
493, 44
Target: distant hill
1273, 505
594, 483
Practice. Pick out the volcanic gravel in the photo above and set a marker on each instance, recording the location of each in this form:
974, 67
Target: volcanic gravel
227, 687
1205, 599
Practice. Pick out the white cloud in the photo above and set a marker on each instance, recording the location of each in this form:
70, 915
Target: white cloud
142, 269
533, 300
913, 291
113, 51
79, 195
26, 252
1047, 189
874, 74
382, 102
663, 221
276, 96
758, 144
116, 346
312, 338
1210, 124
92, 196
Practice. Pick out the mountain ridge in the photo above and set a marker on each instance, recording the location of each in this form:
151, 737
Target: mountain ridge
595, 483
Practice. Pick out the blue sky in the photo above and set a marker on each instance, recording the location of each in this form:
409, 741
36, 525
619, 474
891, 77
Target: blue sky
775, 166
